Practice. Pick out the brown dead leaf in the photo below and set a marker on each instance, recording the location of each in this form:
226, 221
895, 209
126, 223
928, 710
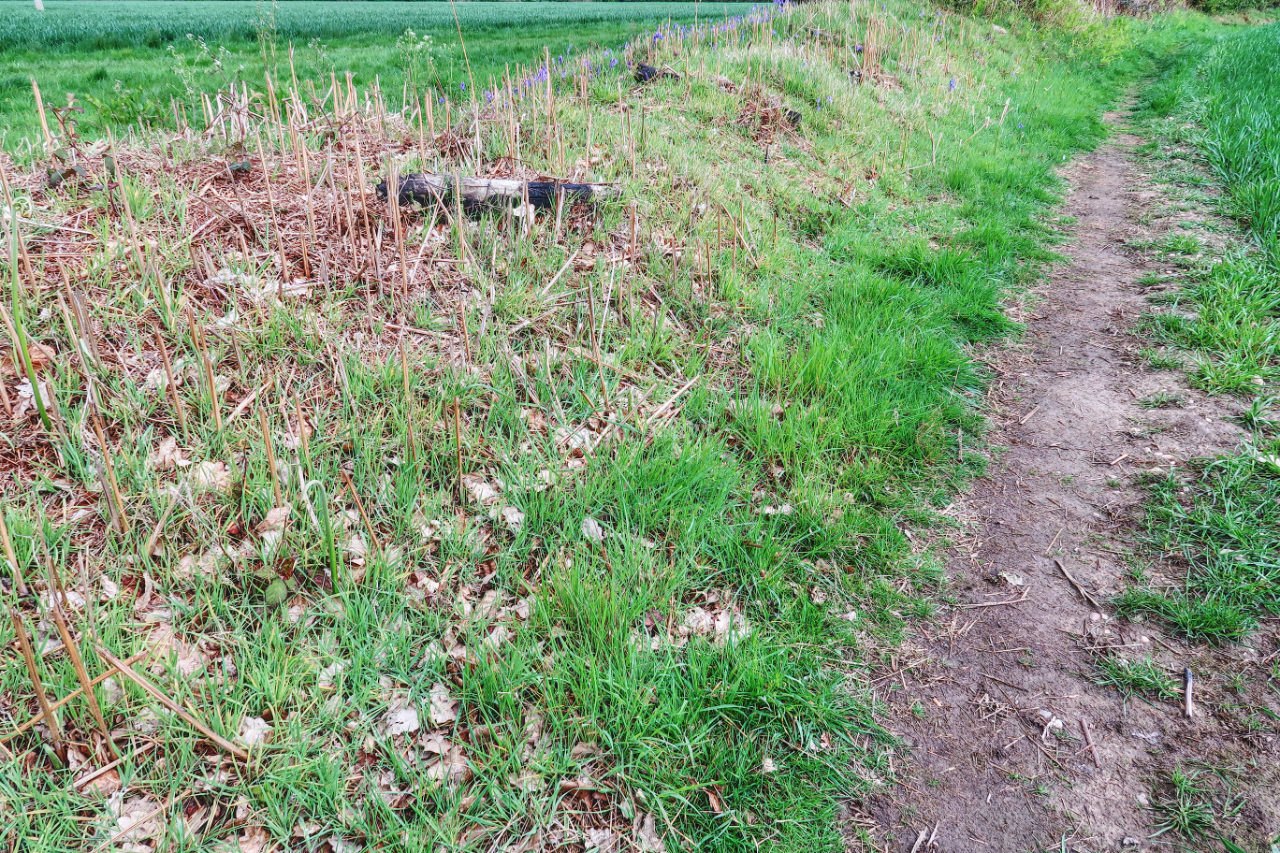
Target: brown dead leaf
102, 784
41, 355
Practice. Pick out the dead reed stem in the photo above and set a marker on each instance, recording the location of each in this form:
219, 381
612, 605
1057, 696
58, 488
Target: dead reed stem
271, 455
155, 693
119, 514
42, 698
19, 582
82, 675
170, 384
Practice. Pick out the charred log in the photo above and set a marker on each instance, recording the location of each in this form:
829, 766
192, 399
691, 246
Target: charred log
646, 73
477, 193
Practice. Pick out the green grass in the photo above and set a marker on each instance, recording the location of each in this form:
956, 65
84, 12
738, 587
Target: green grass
1224, 101
1183, 808
651, 606
126, 60
66, 25
1216, 522
1136, 677
1219, 523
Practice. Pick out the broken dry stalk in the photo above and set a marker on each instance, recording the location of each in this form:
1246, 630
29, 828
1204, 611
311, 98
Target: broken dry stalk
158, 695
121, 516
82, 675
42, 698
364, 516
19, 582
202, 352
271, 456
170, 385
71, 697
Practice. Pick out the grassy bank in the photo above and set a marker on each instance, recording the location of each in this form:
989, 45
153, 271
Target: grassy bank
511, 532
1218, 106
127, 60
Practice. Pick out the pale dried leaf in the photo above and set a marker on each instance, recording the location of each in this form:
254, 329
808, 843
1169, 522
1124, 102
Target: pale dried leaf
254, 731
168, 456
275, 520
444, 708
209, 476
591, 529
402, 721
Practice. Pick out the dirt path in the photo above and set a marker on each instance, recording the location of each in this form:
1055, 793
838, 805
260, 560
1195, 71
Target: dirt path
994, 698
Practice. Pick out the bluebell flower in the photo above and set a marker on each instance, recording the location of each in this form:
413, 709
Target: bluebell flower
953, 83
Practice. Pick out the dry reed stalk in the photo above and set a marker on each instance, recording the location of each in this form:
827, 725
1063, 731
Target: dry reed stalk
422, 134
202, 352
170, 384
457, 445
631, 142
119, 513
82, 675
70, 697
635, 215
155, 693
408, 401
135, 244
303, 442
595, 344
44, 122
397, 229
559, 210
364, 211
149, 547
346, 207
11, 557
84, 328
18, 246
273, 106
42, 698
285, 271
551, 103
466, 335
364, 516
271, 456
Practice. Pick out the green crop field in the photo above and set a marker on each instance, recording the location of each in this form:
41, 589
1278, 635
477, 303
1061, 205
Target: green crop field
126, 60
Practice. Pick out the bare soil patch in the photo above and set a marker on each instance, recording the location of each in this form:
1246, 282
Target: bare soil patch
1013, 745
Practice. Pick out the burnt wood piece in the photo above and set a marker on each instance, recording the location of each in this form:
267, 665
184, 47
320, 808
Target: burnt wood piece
427, 190
645, 73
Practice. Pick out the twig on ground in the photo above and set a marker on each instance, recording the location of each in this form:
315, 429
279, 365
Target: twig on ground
1075, 583
1088, 739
